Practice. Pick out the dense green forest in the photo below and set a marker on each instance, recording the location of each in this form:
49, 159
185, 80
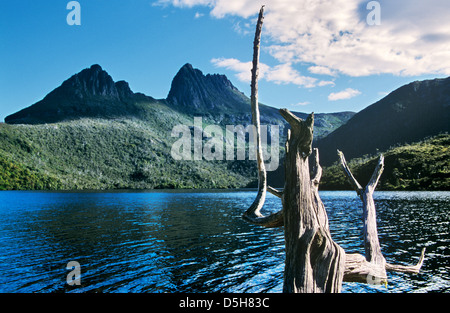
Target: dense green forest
423, 165
126, 153
106, 154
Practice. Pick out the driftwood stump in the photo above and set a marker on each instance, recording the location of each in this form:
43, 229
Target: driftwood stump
314, 262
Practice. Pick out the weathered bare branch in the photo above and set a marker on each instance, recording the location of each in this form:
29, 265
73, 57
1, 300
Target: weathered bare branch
293, 120
254, 210
275, 192
317, 170
349, 174
376, 175
270, 221
358, 269
407, 269
371, 242
316, 175
253, 214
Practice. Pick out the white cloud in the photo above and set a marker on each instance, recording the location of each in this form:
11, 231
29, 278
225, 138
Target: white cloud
332, 37
321, 70
198, 15
326, 83
243, 29
182, 3
279, 74
345, 94
301, 103
242, 68
286, 74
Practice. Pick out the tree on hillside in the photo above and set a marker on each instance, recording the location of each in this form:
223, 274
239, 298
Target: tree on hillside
314, 262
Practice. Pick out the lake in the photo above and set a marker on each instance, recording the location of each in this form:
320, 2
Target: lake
196, 241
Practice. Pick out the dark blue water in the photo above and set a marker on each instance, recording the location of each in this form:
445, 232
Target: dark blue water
197, 241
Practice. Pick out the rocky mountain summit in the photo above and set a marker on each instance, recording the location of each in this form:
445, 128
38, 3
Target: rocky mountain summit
92, 93
194, 92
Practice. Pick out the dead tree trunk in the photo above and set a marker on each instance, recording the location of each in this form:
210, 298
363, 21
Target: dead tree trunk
314, 262
372, 247
372, 268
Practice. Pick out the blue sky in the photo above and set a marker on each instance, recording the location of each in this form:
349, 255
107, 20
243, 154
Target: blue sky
319, 56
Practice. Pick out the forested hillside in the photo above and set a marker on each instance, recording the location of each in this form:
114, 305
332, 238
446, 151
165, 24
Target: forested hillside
424, 165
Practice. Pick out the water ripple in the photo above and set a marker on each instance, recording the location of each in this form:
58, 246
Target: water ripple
197, 242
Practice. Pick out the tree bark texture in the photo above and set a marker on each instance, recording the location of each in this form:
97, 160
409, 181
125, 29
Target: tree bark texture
314, 262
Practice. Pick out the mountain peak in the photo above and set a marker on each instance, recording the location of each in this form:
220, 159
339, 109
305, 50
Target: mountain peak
96, 67
93, 81
187, 66
195, 92
124, 90
89, 93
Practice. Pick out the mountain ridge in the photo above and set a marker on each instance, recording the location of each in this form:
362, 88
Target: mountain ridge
92, 93
410, 113
94, 133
